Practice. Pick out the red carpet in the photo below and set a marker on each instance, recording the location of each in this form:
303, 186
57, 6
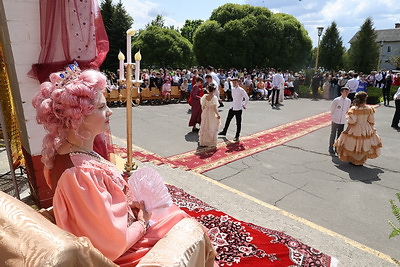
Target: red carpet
244, 244
205, 159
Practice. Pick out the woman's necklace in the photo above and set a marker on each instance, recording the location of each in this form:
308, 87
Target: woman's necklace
91, 152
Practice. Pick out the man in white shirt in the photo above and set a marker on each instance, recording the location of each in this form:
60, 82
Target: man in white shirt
217, 82
237, 106
379, 79
228, 89
352, 84
277, 83
340, 106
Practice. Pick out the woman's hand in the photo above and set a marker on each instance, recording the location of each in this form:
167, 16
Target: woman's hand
140, 212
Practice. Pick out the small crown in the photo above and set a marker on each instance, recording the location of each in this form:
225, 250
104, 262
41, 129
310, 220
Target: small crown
71, 72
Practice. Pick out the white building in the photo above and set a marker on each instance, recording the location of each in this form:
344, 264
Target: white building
389, 43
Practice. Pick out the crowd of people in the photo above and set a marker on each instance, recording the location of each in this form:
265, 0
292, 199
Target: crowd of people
331, 83
258, 82
273, 85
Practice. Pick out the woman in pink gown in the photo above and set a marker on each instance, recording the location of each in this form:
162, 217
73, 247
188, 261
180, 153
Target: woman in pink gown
91, 198
210, 119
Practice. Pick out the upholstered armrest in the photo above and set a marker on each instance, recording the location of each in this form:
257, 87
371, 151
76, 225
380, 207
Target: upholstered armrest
186, 244
29, 239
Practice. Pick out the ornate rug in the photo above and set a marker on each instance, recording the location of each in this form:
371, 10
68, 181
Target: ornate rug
244, 244
205, 159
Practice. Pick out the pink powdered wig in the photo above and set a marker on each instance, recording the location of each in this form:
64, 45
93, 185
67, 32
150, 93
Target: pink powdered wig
62, 109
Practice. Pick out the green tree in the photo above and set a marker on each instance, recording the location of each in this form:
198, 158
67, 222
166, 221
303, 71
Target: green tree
248, 36
158, 22
364, 50
189, 28
107, 11
229, 12
294, 44
207, 46
163, 47
395, 61
346, 60
116, 26
331, 49
312, 58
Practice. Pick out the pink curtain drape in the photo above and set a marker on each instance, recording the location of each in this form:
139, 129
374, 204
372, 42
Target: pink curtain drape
70, 30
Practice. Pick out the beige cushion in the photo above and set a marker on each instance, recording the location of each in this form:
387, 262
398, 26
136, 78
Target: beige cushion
186, 244
29, 239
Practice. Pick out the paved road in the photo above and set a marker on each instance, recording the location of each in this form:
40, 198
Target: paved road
299, 177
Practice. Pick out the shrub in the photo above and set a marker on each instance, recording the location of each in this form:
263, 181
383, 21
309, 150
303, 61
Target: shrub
306, 92
396, 213
375, 94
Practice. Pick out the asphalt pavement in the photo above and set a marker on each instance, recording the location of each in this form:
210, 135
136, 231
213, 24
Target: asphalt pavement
296, 188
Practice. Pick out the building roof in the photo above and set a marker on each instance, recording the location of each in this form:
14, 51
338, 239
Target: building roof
388, 35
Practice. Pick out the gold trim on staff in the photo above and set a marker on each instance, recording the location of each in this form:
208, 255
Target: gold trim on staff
129, 165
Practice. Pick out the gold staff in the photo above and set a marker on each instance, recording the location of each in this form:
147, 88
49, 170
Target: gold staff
129, 165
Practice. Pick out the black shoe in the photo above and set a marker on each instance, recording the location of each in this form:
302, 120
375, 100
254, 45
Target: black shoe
195, 130
396, 127
236, 139
222, 133
220, 105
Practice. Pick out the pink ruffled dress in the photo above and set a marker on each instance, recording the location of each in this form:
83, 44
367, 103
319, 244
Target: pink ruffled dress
91, 199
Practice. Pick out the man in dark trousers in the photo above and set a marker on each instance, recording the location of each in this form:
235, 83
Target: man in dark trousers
237, 106
315, 84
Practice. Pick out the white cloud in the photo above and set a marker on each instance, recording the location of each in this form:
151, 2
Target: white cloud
140, 11
143, 12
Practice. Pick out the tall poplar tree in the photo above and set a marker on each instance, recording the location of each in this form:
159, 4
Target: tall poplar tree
107, 11
331, 49
364, 50
116, 21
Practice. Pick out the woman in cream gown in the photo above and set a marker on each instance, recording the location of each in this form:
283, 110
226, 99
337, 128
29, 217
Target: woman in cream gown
359, 141
210, 119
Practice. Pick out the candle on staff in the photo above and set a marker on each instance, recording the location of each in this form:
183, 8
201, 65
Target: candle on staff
138, 58
129, 34
121, 58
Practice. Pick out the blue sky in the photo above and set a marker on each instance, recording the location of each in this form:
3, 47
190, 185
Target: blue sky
349, 15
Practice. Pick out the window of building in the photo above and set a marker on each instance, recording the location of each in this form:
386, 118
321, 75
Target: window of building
389, 49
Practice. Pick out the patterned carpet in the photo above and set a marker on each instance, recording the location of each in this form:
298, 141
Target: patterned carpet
244, 244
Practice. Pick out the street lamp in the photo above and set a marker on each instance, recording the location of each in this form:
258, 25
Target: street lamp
320, 29
380, 56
